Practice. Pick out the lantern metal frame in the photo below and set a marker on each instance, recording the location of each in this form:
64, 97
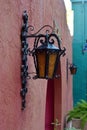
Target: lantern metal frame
25, 51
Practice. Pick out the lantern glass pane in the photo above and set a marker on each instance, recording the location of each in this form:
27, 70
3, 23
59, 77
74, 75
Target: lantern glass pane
52, 61
41, 63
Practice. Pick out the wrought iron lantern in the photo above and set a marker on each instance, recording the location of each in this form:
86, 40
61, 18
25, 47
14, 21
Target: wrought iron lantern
47, 57
45, 54
73, 69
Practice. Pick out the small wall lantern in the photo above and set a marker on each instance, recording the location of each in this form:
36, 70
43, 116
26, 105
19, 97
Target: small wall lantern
73, 69
45, 54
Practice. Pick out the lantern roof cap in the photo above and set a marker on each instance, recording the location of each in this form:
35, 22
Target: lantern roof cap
48, 46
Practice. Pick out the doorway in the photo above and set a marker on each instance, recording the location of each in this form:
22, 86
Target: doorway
49, 115
53, 103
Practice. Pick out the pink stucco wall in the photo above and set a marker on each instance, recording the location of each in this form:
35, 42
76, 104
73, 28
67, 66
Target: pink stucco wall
33, 117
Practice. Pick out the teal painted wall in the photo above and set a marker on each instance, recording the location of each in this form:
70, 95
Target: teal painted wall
80, 59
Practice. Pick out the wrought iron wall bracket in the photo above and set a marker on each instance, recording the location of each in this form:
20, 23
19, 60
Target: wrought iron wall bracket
26, 32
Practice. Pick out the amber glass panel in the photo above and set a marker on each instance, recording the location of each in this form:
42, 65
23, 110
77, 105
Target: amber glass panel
52, 60
41, 63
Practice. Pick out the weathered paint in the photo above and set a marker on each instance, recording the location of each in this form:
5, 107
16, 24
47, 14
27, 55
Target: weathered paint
80, 59
33, 117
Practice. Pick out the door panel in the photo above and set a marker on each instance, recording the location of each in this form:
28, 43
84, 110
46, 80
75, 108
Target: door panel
49, 115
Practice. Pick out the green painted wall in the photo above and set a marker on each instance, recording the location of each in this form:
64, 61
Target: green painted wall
80, 59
